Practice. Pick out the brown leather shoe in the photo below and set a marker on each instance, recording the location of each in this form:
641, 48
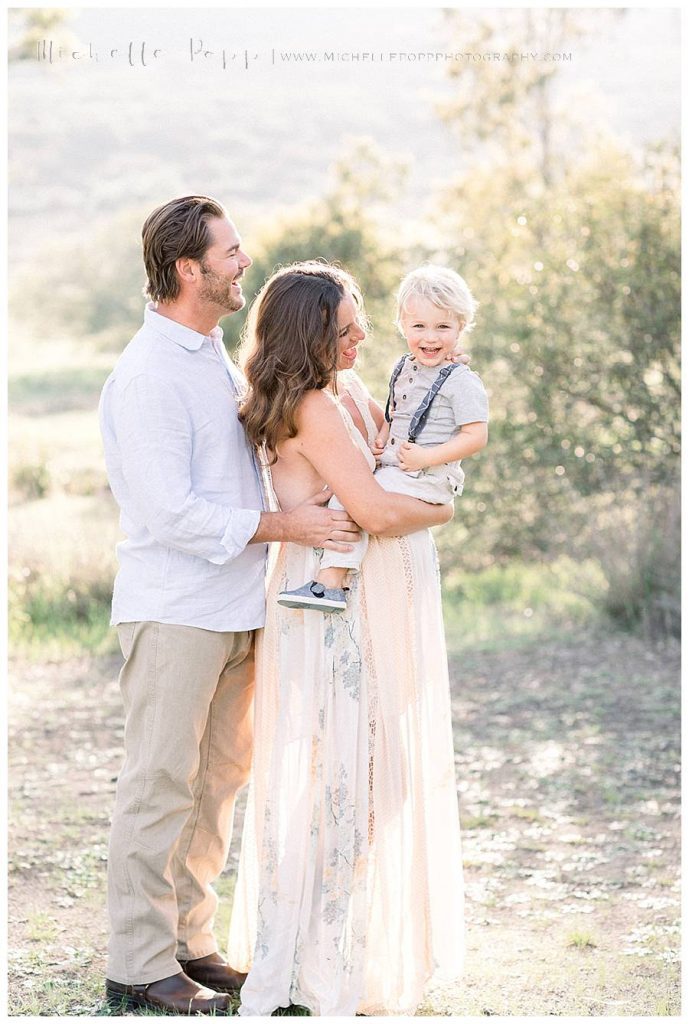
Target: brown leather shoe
214, 972
177, 994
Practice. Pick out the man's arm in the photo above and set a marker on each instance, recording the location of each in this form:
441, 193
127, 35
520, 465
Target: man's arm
155, 441
309, 524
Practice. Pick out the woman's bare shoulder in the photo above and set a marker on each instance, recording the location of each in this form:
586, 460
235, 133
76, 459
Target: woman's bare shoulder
317, 409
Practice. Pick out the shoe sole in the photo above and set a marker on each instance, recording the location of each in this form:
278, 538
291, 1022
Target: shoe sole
305, 602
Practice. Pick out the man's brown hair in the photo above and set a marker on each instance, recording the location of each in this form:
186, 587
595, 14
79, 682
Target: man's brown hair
176, 230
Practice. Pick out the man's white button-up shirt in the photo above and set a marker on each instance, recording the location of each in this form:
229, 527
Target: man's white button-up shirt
186, 481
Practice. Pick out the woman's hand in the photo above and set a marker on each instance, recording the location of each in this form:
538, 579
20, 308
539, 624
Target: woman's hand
412, 457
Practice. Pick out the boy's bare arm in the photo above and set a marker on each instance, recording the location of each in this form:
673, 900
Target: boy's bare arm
471, 439
381, 439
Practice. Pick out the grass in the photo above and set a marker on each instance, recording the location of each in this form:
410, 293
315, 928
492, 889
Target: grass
54, 391
41, 928
62, 522
538, 731
513, 604
64, 448
63, 528
478, 821
60, 590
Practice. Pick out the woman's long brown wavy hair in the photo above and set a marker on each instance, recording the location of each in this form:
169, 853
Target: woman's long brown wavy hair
291, 346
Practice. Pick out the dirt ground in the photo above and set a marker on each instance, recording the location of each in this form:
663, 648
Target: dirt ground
568, 773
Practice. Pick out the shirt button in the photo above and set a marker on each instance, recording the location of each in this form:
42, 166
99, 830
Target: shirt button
404, 396
415, 369
392, 440
411, 379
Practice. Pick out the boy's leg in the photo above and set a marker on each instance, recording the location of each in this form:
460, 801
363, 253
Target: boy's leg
168, 682
434, 485
345, 559
332, 577
326, 592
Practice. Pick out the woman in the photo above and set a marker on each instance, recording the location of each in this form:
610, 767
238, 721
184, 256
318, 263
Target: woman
349, 895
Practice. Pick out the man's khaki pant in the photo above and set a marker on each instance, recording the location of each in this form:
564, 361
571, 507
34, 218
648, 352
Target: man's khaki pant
188, 733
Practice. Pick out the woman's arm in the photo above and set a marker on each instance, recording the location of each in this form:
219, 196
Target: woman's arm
323, 440
419, 518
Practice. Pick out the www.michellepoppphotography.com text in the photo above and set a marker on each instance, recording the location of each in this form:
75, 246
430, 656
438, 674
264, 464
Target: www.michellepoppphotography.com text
143, 54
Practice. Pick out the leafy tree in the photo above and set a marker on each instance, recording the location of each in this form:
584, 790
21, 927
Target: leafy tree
510, 113
30, 26
578, 339
92, 286
348, 227
573, 251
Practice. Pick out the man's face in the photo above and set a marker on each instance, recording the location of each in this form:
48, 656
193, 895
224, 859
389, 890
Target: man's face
222, 267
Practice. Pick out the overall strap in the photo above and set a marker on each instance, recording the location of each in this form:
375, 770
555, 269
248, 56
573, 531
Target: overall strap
421, 414
391, 390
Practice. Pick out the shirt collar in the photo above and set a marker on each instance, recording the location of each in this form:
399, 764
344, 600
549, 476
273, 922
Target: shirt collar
177, 332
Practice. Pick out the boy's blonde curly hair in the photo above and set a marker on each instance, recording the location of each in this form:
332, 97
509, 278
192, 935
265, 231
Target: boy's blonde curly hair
444, 288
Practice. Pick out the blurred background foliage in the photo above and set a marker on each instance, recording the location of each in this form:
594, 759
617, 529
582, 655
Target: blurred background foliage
569, 239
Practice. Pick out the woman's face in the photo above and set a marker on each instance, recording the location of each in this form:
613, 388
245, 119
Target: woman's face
349, 332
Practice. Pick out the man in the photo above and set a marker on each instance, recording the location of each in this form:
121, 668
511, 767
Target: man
188, 595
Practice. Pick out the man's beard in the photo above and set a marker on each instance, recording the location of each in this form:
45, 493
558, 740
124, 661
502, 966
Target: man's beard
217, 289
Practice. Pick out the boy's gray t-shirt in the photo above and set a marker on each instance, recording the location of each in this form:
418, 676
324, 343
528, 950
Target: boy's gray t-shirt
461, 399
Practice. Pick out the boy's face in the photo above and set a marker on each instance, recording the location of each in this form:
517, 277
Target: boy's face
431, 332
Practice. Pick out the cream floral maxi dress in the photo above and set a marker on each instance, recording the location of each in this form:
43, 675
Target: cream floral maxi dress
349, 897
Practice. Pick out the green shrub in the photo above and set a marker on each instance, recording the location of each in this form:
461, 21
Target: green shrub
639, 552
30, 481
62, 565
58, 614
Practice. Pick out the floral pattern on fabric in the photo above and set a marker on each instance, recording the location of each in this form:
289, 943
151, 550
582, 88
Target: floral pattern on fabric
349, 897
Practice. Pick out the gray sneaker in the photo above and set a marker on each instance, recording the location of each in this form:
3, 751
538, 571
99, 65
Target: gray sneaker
315, 596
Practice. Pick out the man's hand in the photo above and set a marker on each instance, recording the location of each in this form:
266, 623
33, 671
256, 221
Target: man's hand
310, 524
412, 457
317, 527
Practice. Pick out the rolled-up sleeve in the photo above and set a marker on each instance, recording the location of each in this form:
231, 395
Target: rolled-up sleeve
156, 440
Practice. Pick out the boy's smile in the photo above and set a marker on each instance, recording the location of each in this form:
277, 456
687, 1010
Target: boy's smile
431, 332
